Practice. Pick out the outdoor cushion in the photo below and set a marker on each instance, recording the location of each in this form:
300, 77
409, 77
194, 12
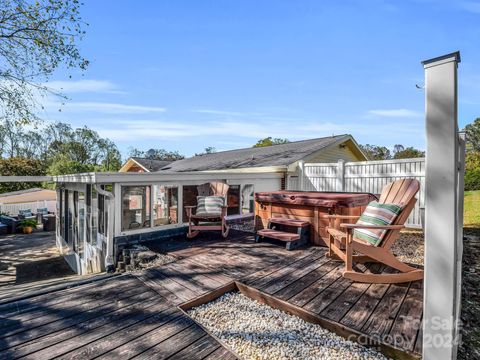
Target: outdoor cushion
43, 211
209, 205
25, 213
376, 214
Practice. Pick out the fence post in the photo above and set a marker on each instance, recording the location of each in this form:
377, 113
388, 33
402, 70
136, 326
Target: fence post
442, 197
301, 179
341, 175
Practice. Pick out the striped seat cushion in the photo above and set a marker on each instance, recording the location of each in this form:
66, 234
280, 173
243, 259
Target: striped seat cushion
376, 214
209, 205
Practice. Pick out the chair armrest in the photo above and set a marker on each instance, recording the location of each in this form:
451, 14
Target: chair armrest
347, 217
378, 227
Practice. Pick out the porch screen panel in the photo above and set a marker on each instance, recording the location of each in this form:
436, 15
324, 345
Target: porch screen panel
94, 209
165, 205
247, 199
135, 207
62, 214
190, 193
70, 217
233, 200
81, 223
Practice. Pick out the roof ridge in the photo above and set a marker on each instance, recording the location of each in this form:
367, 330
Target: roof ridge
269, 146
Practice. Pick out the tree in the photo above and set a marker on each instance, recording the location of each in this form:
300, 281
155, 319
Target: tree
36, 37
473, 135
156, 154
18, 166
375, 152
62, 164
408, 153
82, 145
269, 141
472, 170
398, 148
207, 150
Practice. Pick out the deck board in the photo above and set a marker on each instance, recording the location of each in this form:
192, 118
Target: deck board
136, 315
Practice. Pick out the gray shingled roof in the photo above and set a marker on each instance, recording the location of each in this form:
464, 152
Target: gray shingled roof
150, 164
276, 155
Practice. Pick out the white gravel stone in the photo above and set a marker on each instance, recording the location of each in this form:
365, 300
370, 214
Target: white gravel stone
257, 331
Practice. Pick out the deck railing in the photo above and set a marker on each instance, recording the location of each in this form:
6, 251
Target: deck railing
363, 176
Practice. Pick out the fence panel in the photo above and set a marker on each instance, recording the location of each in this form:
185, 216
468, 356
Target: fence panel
364, 176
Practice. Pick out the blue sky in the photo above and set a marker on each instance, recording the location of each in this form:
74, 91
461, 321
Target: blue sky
183, 75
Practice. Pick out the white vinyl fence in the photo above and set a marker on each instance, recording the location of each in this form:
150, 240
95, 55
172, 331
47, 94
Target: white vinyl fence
13, 209
364, 176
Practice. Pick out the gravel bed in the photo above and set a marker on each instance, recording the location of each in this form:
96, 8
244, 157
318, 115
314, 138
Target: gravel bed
161, 259
409, 247
257, 331
139, 257
245, 225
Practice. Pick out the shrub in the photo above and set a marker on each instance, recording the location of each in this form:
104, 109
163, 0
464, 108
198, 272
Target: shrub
28, 223
472, 179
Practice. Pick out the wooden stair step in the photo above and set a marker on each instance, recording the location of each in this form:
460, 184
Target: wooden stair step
290, 222
279, 235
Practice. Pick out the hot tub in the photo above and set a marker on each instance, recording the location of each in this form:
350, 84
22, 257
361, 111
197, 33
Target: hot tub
308, 205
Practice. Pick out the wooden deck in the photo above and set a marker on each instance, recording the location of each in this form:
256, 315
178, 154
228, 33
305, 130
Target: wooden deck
137, 315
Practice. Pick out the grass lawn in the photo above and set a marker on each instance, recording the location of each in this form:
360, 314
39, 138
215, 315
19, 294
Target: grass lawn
472, 209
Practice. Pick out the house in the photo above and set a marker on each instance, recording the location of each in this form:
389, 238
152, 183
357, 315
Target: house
138, 164
33, 199
146, 200
277, 158
28, 195
282, 158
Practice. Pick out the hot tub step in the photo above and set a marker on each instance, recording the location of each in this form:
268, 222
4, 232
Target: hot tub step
291, 240
279, 235
290, 222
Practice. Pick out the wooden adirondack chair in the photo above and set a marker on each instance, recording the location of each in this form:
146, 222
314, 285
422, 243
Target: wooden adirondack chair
343, 245
213, 221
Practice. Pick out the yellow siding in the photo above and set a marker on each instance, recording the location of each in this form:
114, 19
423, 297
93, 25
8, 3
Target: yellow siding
334, 154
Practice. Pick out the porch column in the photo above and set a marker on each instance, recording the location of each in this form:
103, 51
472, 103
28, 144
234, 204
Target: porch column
443, 235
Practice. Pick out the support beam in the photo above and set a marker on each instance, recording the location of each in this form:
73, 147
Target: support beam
442, 199
17, 179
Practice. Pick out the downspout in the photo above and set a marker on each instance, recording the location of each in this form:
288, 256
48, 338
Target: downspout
109, 261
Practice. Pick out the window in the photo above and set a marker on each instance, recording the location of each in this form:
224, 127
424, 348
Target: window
165, 205
248, 202
135, 207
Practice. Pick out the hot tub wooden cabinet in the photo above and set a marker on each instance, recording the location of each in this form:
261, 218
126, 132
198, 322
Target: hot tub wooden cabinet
308, 205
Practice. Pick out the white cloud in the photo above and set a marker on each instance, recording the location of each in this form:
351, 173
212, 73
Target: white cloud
104, 108
471, 6
394, 113
225, 131
218, 112
84, 86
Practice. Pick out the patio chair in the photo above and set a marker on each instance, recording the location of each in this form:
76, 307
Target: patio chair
370, 239
210, 211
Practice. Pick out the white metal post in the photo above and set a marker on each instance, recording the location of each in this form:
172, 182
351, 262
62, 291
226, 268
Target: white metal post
441, 216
